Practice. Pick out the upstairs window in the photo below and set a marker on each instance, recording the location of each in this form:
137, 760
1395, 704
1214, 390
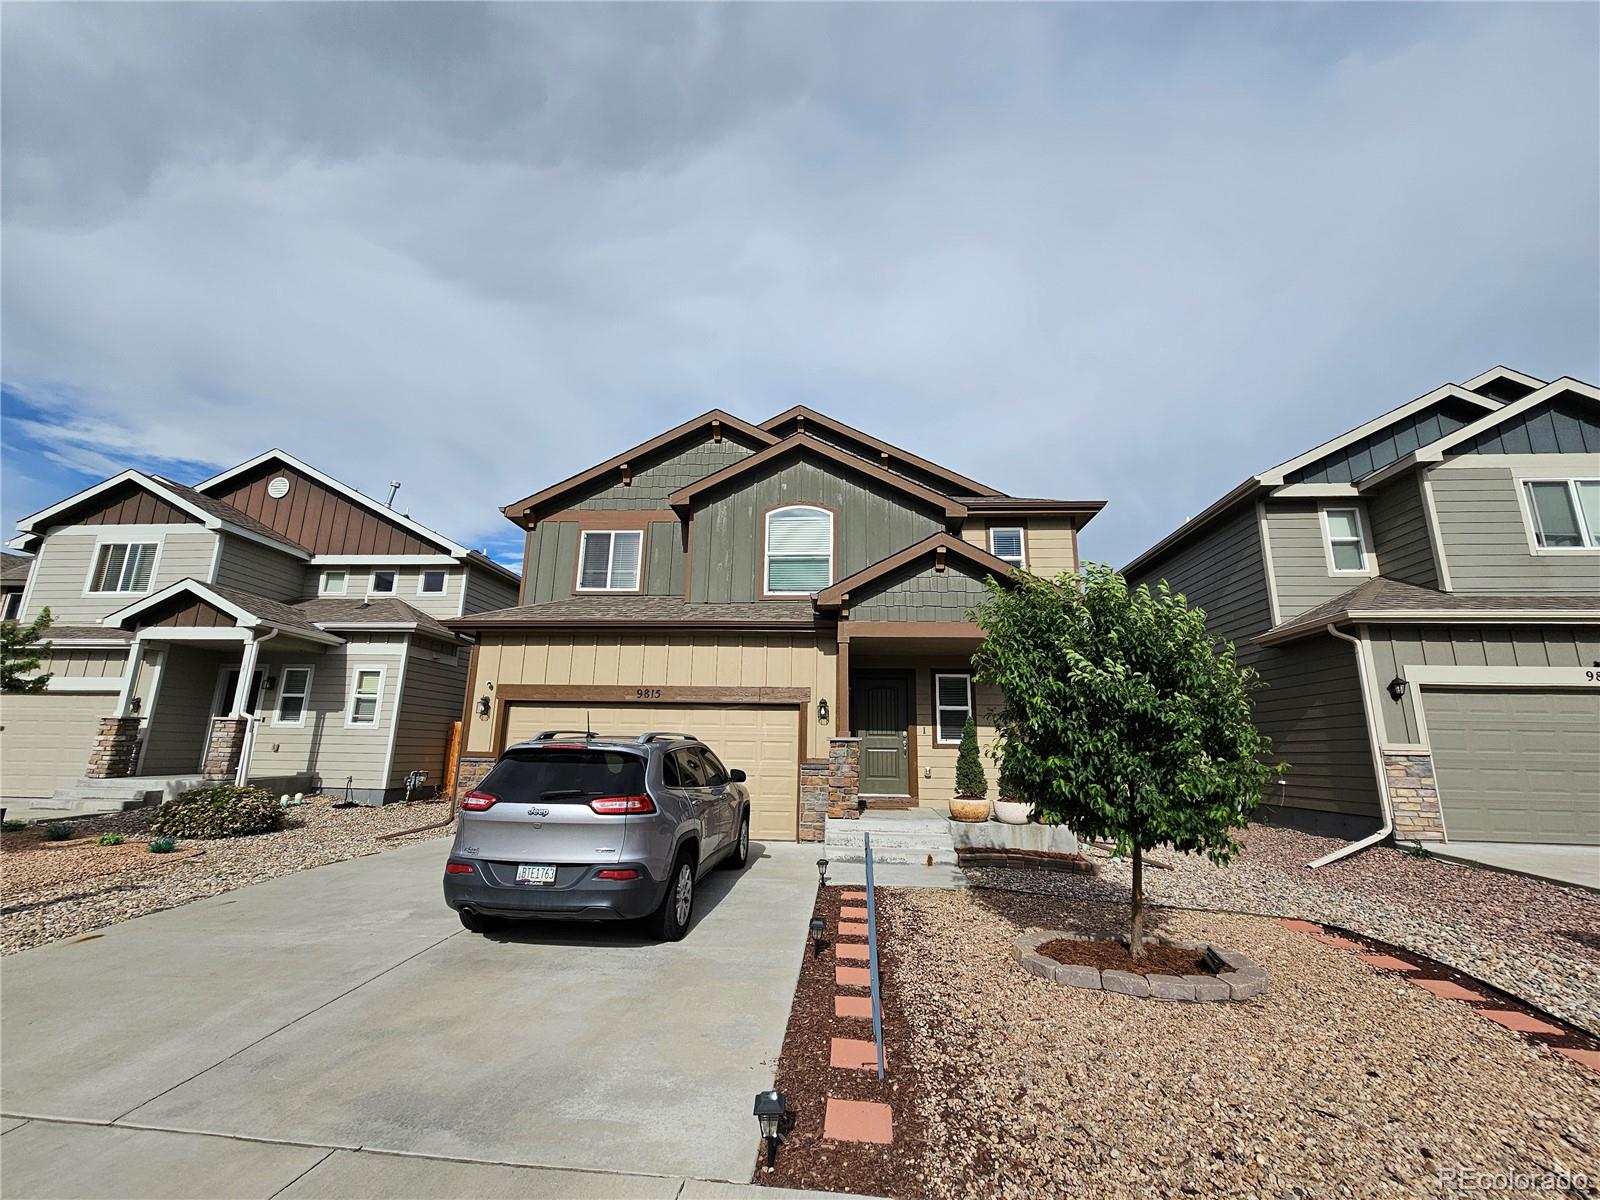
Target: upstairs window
1347, 550
1565, 513
609, 560
11, 606
382, 584
431, 583
334, 582
799, 550
123, 567
1007, 544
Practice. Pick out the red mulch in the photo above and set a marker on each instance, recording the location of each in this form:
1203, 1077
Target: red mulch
1113, 956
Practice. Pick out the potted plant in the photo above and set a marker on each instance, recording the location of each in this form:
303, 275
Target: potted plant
971, 801
1012, 808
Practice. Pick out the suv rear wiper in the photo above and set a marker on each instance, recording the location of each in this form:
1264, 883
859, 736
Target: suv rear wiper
568, 794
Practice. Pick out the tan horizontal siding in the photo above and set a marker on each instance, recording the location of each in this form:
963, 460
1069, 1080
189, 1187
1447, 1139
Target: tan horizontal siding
61, 570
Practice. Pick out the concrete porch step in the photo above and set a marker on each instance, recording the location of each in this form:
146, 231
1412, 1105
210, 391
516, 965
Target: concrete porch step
909, 837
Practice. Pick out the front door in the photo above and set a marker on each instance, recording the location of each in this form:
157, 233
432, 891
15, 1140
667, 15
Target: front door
222, 699
881, 705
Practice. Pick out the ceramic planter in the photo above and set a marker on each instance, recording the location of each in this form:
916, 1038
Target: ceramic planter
1013, 812
969, 808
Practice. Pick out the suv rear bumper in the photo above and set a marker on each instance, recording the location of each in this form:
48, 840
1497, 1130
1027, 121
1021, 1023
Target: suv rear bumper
585, 899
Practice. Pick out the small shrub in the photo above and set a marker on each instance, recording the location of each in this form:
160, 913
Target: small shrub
58, 833
13, 826
163, 845
970, 779
111, 839
219, 811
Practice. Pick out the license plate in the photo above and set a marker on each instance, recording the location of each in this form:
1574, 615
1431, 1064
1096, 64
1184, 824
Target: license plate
535, 873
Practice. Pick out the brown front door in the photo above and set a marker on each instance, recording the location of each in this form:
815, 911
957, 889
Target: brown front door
882, 707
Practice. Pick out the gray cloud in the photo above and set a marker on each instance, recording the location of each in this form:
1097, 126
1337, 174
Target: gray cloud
1134, 252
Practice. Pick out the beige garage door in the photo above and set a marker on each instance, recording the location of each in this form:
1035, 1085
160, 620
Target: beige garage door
45, 740
1517, 766
761, 740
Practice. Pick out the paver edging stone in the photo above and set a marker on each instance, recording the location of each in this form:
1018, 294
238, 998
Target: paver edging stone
1237, 977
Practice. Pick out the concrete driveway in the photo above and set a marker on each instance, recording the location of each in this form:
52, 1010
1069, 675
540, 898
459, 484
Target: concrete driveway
344, 1010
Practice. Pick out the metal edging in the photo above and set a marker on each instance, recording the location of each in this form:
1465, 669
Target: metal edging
872, 952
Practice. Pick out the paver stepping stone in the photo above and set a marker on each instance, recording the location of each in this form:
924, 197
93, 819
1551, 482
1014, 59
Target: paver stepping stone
853, 1006
852, 950
1302, 926
1387, 962
854, 1054
852, 976
1589, 1058
852, 912
852, 929
857, 1121
1446, 990
1520, 1021
1333, 939
852, 896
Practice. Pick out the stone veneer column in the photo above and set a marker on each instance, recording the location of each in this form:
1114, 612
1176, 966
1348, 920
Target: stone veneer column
224, 744
470, 772
116, 748
1414, 797
813, 799
844, 778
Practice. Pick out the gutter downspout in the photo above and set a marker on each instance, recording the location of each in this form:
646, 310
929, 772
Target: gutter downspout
1373, 717
242, 771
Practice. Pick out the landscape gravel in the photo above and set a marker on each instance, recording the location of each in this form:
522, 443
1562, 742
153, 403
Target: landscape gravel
1538, 941
38, 905
1339, 1081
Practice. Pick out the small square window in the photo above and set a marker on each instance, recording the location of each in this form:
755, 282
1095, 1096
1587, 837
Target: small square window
431, 583
1007, 544
334, 582
382, 583
609, 561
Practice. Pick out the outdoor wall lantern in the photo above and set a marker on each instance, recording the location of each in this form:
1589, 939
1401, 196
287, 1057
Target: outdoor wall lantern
822, 711
483, 706
770, 1109
270, 683
818, 927
135, 703
1397, 688
822, 872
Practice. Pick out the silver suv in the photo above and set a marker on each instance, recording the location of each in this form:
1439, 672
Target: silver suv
580, 826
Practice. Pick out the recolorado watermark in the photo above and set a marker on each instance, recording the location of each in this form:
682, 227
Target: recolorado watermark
1470, 1180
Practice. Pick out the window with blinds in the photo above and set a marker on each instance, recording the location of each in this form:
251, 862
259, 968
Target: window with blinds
799, 550
123, 567
1007, 544
609, 560
952, 704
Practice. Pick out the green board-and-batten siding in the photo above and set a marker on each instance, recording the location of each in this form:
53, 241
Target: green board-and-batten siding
551, 568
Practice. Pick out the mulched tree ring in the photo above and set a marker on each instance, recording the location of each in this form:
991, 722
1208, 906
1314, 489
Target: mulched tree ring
1185, 971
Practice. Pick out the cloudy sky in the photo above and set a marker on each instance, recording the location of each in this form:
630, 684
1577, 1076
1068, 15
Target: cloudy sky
1131, 252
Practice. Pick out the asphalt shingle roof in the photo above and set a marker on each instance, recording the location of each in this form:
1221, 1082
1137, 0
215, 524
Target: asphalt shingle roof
341, 611
14, 569
1378, 598
645, 610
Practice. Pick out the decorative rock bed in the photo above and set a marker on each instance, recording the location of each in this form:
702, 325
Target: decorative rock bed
1236, 977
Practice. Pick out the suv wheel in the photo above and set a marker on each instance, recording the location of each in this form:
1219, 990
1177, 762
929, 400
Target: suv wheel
740, 854
671, 920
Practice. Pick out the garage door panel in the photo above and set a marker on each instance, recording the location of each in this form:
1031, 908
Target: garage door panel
1517, 766
45, 740
761, 740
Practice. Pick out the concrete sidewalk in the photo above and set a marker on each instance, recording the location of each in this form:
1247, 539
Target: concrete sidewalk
1578, 865
52, 1159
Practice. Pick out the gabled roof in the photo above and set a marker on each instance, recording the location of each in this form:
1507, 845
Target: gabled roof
643, 612
247, 609
1503, 384
376, 612
1388, 601
802, 443
519, 510
837, 595
344, 489
801, 415
213, 514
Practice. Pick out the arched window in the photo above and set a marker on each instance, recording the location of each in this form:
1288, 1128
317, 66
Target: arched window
799, 550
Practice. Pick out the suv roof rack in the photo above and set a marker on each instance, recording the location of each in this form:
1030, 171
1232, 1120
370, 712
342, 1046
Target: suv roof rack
666, 733
545, 735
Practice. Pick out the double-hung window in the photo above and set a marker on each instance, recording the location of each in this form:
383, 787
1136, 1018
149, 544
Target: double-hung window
1007, 544
123, 567
382, 583
609, 561
366, 697
952, 705
1565, 513
294, 685
1347, 549
799, 550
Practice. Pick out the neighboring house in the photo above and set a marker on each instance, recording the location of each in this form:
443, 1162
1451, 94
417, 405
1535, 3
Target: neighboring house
1455, 541
270, 591
779, 590
14, 570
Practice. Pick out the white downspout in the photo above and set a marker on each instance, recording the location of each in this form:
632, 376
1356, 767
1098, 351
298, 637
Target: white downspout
1373, 717
252, 656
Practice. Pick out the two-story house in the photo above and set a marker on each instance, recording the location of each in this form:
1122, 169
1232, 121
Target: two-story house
1421, 596
795, 592
268, 624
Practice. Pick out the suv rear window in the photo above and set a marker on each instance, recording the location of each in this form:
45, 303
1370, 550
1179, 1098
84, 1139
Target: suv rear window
559, 776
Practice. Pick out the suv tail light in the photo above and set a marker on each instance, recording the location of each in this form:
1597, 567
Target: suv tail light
618, 806
622, 873
454, 868
477, 801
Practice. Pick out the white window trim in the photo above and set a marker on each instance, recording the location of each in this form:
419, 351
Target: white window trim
1022, 543
119, 538
767, 555
611, 560
10, 606
1369, 565
1530, 518
938, 708
423, 575
283, 690
350, 722
344, 583
372, 577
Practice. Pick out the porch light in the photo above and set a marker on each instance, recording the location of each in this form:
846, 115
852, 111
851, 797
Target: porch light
770, 1110
822, 872
135, 703
1397, 688
483, 706
822, 711
818, 927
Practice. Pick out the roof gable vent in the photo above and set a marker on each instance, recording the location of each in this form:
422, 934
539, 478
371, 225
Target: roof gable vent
278, 488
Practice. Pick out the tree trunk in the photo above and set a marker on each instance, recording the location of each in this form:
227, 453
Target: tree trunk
1136, 941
